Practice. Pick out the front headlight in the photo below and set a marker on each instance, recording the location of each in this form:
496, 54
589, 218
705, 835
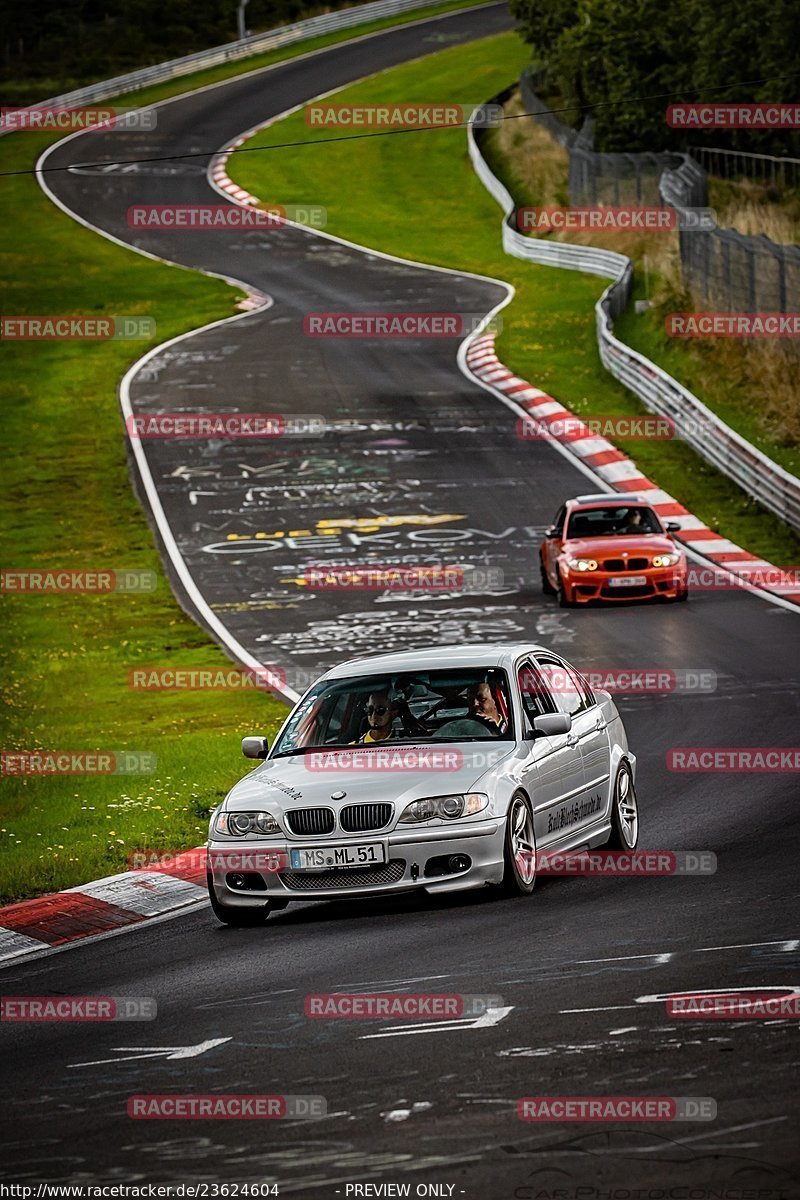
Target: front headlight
666, 560
449, 808
240, 824
582, 564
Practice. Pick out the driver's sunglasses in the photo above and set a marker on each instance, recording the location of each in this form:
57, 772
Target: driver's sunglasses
379, 709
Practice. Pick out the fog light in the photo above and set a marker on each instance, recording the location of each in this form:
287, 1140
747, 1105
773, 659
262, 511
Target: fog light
235, 880
459, 862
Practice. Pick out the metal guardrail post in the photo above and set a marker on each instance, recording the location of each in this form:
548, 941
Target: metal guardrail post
758, 475
284, 35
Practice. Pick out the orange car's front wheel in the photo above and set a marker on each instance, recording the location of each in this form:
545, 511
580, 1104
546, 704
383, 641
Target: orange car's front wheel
564, 600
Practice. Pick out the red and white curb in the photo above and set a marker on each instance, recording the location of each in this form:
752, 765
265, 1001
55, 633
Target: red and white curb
109, 904
222, 181
621, 472
219, 174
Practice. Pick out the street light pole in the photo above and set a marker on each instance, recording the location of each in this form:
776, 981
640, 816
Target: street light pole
240, 18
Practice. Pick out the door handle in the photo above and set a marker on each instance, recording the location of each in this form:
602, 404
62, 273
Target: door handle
599, 723
573, 740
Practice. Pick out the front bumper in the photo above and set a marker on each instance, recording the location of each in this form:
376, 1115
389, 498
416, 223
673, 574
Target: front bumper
415, 859
582, 587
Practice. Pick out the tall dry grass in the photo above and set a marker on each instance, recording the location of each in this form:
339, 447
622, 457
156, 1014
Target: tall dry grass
766, 369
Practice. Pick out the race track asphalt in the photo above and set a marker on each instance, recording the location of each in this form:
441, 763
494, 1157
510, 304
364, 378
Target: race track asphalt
410, 438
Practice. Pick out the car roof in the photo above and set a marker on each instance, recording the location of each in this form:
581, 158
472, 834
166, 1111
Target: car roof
616, 498
431, 658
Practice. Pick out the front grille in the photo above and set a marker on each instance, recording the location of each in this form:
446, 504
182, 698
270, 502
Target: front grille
311, 881
357, 818
626, 564
310, 822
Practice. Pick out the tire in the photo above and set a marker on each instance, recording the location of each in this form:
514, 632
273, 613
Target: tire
228, 915
563, 602
624, 812
519, 878
682, 596
547, 586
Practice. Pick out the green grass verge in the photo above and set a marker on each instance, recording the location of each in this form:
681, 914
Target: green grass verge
697, 365
390, 203
67, 502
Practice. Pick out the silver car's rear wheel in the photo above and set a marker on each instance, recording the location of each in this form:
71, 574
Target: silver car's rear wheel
520, 848
624, 812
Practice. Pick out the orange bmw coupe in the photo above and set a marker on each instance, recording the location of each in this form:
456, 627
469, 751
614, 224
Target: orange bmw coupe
611, 548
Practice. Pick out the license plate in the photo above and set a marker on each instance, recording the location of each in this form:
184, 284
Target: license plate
628, 581
322, 858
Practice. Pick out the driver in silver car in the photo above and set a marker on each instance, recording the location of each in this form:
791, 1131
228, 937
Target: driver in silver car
381, 712
483, 708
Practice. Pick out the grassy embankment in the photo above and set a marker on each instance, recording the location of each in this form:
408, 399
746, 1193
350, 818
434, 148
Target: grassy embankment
67, 502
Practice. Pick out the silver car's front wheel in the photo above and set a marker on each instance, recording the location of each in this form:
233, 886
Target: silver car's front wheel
520, 848
624, 812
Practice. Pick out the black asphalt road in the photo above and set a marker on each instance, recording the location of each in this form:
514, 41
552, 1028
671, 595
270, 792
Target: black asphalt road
574, 962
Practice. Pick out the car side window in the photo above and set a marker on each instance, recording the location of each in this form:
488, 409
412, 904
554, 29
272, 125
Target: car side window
536, 699
588, 694
571, 692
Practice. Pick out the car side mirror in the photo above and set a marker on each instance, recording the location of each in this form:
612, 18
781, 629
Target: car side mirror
255, 747
552, 532
673, 527
552, 724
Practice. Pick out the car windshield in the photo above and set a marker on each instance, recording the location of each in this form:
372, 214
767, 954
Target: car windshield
614, 520
466, 705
